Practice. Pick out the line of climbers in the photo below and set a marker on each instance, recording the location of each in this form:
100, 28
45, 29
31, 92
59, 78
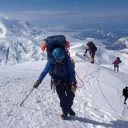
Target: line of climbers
61, 69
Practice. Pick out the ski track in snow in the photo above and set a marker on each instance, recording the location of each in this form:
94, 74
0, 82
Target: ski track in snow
42, 110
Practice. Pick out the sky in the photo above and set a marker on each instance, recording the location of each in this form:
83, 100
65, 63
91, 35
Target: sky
53, 12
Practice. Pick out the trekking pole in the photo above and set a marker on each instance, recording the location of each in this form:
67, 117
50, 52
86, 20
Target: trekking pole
37, 56
41, 53
27, 96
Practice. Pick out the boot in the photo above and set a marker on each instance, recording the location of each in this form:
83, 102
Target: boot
64, 115
71, 112
92, 60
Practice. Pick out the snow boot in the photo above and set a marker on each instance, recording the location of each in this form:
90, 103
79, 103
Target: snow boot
92, 60
64, 116
71, 112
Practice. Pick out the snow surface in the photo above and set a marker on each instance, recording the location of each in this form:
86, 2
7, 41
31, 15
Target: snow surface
98, 102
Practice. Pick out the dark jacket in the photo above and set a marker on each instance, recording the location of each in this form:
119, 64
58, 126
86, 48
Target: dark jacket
91, 47
125, 91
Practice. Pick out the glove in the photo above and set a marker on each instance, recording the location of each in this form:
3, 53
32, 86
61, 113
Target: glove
36, 84
74, 86
85, 53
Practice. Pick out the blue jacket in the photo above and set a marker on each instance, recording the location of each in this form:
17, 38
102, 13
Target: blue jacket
49, 65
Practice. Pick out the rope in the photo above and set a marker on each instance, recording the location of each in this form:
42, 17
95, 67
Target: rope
81, 80
88, 68
106, 98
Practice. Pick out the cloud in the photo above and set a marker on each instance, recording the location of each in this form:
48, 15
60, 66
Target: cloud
48, 14
63, 16
33, 15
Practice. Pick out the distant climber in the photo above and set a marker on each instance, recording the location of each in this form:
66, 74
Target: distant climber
91, 47
125, 94
116, 64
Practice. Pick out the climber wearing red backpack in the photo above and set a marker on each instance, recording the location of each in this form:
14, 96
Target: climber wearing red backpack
116, 64
62, 72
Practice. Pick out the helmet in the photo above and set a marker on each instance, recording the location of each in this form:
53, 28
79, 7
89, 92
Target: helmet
90, 43
58, 53
118, 58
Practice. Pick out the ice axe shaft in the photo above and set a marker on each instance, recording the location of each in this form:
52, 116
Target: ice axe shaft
27, 96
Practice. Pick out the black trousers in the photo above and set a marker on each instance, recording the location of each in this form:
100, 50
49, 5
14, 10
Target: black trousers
116, 66
92, 54
66, 97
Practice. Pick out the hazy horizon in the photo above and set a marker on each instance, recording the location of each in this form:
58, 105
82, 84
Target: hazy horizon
67, 12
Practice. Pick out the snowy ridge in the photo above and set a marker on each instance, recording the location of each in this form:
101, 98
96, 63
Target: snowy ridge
103, 56
98, 104
124, 41
20, 42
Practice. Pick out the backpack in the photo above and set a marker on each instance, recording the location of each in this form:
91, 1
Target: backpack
92, 46
117, 61
56, 68
125, 92
52, 42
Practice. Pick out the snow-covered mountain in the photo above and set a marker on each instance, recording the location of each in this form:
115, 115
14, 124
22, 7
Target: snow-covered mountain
114, 39
124, 41
121, 44
98, 102
19, 41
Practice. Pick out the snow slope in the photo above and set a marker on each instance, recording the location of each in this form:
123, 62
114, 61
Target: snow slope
98, 103
103, 56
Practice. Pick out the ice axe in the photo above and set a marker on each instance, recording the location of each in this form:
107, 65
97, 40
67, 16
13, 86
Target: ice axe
26, 97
